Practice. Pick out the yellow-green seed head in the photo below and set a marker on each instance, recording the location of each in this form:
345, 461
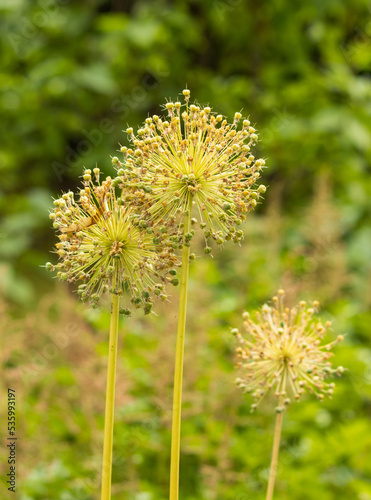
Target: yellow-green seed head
282, 353
193, 163
101, 242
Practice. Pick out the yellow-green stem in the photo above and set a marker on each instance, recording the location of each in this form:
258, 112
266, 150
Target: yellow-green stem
178, 376
275, 453
110, 397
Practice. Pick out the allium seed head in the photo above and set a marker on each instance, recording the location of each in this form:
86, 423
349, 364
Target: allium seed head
282, 353
102, 242
193, 163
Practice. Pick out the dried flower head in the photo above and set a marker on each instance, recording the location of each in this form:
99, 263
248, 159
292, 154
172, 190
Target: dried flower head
193, 159
103, 246
283, 353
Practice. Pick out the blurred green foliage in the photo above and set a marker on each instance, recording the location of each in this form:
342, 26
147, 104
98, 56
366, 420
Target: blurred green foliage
72, 76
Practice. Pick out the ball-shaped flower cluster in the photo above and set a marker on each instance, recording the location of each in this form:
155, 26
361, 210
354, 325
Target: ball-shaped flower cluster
282, 353
192, 165
102, 245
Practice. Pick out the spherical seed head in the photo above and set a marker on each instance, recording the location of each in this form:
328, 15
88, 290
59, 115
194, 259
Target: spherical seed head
101, 244
194, 163
282, 352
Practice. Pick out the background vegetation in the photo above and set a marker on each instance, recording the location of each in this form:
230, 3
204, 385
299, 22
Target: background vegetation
72, 76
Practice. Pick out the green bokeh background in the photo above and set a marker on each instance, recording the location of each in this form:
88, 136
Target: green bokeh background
73, 75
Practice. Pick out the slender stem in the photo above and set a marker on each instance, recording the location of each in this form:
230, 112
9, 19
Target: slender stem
275, 452
110, 397
178, 376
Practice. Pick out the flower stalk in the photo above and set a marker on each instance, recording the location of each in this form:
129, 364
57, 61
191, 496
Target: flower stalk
178, 375
110, 395
275, 454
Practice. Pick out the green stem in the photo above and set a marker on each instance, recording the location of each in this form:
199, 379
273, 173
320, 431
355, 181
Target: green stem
110, 397
178, 376
275, 453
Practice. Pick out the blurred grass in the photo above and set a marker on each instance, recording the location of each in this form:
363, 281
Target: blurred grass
72, 76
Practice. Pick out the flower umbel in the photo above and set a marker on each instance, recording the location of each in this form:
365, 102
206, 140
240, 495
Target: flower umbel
193, 159
101, 243
283, 353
